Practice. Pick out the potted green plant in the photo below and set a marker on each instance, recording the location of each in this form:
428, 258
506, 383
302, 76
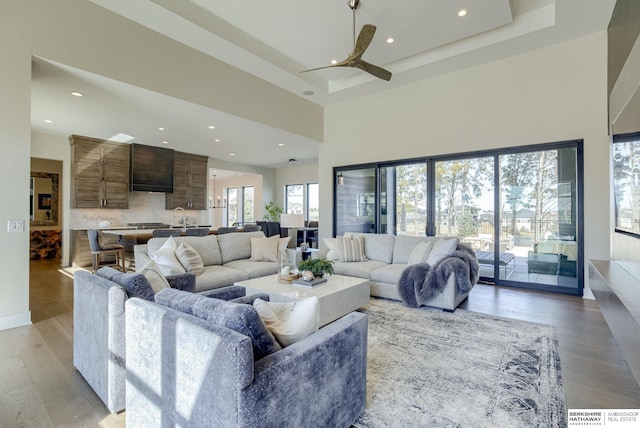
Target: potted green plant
317, 266
272, 212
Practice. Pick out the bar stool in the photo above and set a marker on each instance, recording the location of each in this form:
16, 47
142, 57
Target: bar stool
97, 249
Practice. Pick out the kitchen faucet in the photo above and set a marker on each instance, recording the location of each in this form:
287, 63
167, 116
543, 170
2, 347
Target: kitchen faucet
184, 218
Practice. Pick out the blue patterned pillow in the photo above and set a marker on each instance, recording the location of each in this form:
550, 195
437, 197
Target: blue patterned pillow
242, 318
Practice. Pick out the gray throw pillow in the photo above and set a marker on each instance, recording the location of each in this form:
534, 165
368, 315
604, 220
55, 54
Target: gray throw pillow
242, 318
135, 284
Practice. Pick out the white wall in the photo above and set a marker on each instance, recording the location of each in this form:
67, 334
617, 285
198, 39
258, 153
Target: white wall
553, 94
15, 87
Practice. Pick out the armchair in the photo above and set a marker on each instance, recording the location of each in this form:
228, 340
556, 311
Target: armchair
186, 371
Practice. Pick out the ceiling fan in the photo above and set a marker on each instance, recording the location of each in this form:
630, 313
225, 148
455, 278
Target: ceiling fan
359, 47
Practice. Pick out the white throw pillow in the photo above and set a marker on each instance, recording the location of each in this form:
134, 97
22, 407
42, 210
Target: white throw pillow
441, 248
165, 258
334, 248
265, 249
154, 276
283, 243
291, 321
420, 253
189, 258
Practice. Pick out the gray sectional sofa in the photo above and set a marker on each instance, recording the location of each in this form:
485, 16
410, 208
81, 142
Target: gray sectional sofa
225, 257
387, 258
183, 370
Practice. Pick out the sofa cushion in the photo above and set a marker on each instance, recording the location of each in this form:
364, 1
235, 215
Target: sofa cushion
357, 269
289, 321
236, 246
254, 269
177, 299
388, 274
242, 318
265, 249
441, 248
404, 244
206, 247
219, 276
189, 258
154, 276
135, 284
353, 249
378, 246
420, 253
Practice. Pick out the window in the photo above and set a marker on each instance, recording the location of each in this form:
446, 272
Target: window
294, 202
519, 209
313, 202
232, 206
247, 204
626, 182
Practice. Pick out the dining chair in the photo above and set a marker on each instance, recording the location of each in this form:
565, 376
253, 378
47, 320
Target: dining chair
98, 249
198, 231
165, 233
223, 230
252, 228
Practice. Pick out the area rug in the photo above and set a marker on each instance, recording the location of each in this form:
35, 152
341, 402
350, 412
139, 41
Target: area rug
429, 368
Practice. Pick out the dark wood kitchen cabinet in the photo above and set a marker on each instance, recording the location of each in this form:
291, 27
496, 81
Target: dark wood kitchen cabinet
189, 182
100, 173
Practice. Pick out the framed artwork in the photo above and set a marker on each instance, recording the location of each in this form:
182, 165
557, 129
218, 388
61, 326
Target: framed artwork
44, 201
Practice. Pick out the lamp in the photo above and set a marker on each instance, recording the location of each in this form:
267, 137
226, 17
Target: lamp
218, 202
291, 221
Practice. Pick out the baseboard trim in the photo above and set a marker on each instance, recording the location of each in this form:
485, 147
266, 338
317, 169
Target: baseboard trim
15, 320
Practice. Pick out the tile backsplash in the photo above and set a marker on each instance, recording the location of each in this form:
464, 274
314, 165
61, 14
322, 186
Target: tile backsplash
144, 207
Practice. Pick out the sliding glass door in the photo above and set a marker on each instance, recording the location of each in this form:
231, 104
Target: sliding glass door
518, 209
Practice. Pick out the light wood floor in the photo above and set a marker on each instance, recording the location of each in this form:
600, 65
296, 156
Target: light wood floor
39, 386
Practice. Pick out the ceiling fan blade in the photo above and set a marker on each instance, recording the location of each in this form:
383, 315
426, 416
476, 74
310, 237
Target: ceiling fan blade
364, 39
342, 63
379, 72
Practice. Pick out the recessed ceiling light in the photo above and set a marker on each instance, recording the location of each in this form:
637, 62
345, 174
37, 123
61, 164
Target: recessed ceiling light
334, 61
48, 121
390, 40
160, 129
217, 140
77, 94
308, 93
281, 144
212, 127
165, 142
232, 154
462, 13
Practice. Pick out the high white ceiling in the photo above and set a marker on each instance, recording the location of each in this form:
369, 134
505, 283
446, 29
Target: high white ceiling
275, 41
